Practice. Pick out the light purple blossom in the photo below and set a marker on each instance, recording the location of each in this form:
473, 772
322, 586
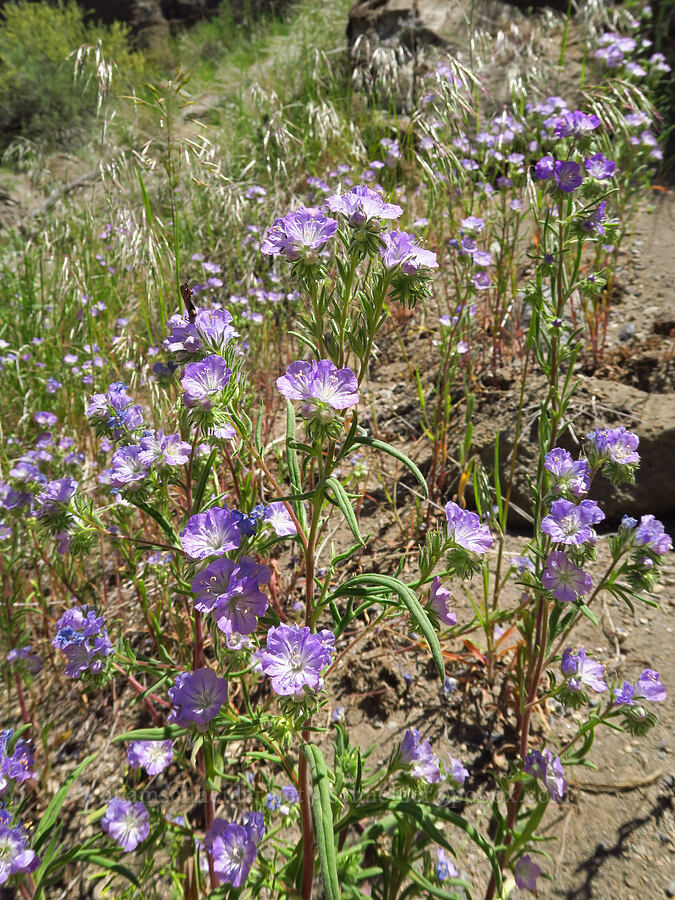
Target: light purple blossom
153, 756
16, 766
211, 533
650, 687
278, 517
651, 534
129, 469
233, 848
15, 856
440, 600
420, 757
575, 123
549, 768
444, 867
362, 205
473, 223
481, 281
527, 872
126, 823
570, 524
197, 697
579, 669
569, 474
299, 233
55, 494
465, 529
599, 167
617, 444
457, 772
295, 658
321, 387
204, 381
230, 590
566, 581
401, 249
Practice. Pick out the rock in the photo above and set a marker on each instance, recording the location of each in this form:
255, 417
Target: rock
670, 889
627, 332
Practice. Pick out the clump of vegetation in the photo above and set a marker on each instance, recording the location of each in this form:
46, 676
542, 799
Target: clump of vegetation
47, 88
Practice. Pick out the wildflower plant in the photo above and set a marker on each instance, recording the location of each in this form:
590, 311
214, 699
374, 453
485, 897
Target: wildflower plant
205, 493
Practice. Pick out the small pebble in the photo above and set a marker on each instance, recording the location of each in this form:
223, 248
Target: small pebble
670, 889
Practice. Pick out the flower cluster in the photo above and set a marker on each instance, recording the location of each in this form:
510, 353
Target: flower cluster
83, 638
579, 670
210, 332
114, 411
648, 687
15, 855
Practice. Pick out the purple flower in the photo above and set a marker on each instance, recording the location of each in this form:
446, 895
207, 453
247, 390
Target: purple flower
153, 756
624, 696
16, 766
473, 223
233, 848
549, 768
650, 533
570, 524
54, 494
197, 697
299, 233
15, 856
224, 580
444, 867
457, 771
127, 823
420, 756
578, 670
575, 123
545, 168
401, 249
278, 517
595, 221
175, 451
465, 529
361, 205
481, 281
566, 581
599, 167
527, 872
83, 638
440, 600
650, 687
289, 794
295, 658
45, 419
204, 381
567, 176
570, 475
211, 533
129, 470
321, 387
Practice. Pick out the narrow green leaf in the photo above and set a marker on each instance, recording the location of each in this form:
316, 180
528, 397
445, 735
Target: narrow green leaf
151, 734
51, 814
106, 862
201, 487
322, 814
158, 517
258, 428
397, 454
343, 501
417, 613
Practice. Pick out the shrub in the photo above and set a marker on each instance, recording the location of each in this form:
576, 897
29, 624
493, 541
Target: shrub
41, 94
